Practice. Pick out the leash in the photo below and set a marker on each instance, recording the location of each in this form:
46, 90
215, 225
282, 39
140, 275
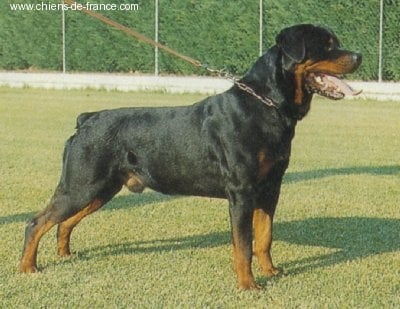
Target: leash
221, 73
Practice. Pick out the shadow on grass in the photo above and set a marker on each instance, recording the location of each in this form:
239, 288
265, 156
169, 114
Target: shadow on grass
210, 240
352, 238
16, 218
293, 177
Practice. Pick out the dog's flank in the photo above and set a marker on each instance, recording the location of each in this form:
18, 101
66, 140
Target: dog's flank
230, 146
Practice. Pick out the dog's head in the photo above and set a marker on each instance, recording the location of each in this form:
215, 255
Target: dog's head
314, 57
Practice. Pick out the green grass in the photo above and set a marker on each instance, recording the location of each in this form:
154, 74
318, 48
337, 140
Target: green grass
336, 232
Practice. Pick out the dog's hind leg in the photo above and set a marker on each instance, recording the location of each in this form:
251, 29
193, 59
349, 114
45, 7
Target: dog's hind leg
57, 210
34, 231
90, 178
65, 228
67, 210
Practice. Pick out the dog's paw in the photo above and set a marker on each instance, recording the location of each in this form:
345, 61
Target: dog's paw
28, 269
272, 271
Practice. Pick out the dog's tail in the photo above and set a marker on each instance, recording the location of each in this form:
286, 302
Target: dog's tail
82, 118
68, 144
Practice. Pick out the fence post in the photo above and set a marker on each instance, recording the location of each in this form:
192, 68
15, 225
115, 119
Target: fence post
156, 38
261, 29
380, 41
64, 66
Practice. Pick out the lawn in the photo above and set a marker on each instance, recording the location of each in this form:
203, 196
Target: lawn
337, 225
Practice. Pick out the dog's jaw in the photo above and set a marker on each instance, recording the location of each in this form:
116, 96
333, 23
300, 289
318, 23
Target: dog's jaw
324, 76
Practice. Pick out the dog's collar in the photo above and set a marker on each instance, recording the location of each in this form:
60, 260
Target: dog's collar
266, 100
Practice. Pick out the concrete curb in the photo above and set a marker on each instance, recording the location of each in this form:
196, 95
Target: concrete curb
173, 84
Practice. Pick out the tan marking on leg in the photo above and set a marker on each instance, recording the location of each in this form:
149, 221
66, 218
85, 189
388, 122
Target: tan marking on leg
65, 228
28, 260
242, 266
262, 223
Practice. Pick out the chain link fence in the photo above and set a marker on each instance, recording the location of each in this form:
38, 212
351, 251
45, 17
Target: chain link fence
222, 34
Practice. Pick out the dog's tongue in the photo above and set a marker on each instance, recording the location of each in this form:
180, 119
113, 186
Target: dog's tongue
331, 80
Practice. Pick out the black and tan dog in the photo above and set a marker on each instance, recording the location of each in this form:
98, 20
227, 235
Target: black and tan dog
230, 145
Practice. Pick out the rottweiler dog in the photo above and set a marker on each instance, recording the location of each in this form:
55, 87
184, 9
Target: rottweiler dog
231, 145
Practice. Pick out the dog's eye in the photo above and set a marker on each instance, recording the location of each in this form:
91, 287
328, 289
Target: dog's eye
332, 44
329, 47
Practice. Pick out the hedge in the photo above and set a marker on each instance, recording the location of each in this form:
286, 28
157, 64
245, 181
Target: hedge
223, 34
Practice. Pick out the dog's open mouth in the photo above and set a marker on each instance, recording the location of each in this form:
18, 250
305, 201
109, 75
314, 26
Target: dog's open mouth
329, 86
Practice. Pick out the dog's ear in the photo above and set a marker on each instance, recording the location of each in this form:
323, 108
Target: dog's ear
291, 42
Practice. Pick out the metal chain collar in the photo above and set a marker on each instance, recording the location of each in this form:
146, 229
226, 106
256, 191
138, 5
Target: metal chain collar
225, 74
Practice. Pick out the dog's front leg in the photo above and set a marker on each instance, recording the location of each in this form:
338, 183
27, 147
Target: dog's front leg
262, 222
266, 202
241, 215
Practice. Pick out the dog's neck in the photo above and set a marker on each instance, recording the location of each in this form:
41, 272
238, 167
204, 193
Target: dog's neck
267, 78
